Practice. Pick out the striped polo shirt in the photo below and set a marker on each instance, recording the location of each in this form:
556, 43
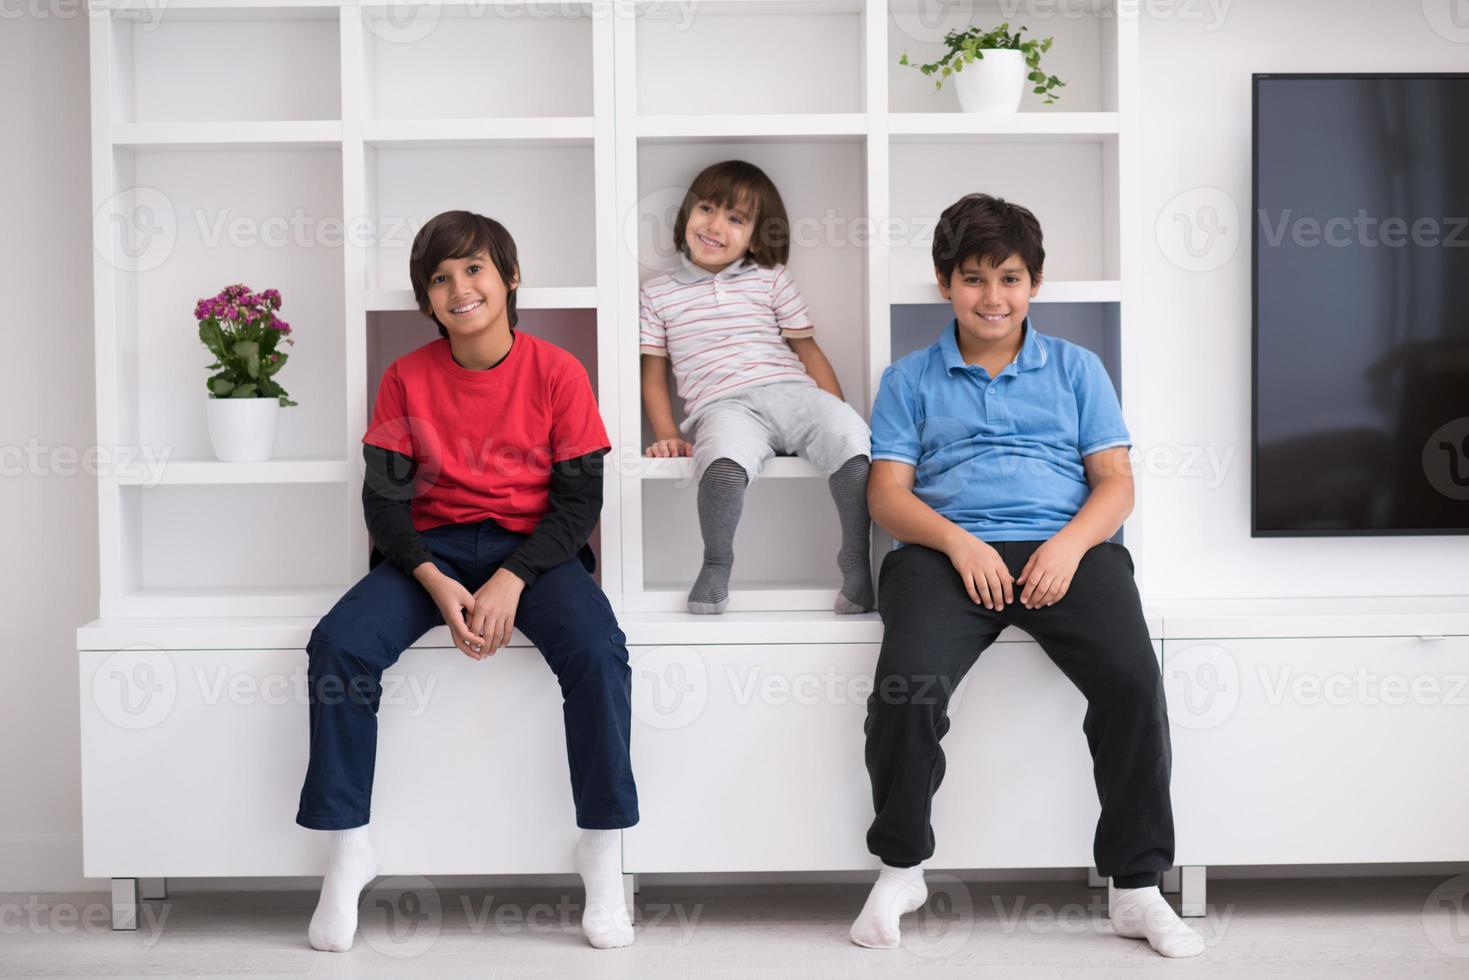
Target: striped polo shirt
725, 331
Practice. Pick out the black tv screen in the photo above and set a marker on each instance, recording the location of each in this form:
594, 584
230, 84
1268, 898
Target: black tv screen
1361, 304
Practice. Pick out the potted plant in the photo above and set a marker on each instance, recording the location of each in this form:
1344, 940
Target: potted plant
242, 331
990, 68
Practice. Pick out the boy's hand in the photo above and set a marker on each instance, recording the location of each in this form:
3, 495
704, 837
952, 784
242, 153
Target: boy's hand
982, 570
665, 448
455, 604
1047, 573
494, 611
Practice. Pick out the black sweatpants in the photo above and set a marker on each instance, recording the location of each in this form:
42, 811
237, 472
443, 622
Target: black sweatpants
933, 633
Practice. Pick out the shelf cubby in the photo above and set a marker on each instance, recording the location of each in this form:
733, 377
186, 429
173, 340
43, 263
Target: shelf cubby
543, 194
225, 63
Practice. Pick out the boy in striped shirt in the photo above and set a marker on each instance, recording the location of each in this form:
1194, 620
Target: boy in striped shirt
734, 328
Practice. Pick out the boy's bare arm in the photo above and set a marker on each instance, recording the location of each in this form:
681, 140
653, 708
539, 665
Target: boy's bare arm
656, 400
897, 510
816, 364
1109, 472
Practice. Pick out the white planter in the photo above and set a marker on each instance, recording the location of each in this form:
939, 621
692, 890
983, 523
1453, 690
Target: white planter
993, 83
242, 430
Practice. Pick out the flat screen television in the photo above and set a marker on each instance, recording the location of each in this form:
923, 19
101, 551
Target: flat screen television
1360, 269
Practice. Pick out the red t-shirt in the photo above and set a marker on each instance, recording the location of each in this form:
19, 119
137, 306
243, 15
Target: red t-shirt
484, 441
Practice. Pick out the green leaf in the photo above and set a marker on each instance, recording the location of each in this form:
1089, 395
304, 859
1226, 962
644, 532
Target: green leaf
244, 391
249, 352
286, 402
904, 59
213, 337
271, 367
221, 386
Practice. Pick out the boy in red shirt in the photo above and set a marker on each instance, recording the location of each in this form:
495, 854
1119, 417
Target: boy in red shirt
483, 482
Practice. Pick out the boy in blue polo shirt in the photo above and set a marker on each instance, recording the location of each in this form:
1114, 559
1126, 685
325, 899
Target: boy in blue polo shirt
1000, 466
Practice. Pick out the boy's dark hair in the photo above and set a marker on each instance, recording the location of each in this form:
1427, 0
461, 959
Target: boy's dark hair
458, 235
983, 227
733, 183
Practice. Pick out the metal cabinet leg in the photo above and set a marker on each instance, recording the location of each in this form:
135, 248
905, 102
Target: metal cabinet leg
1094, 880
152, 887
1172, 880
629, 893
1192, 893
124, 903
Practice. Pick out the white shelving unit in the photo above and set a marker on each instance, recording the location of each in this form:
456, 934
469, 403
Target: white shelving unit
578, 125
356, 123
865, 157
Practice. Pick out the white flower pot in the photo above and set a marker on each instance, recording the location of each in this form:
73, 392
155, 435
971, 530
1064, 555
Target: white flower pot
242, 430
993, 83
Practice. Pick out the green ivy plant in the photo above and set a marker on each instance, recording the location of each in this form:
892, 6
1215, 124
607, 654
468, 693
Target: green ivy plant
969, 45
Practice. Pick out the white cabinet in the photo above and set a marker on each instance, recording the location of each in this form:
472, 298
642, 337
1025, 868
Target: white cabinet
750, 758
192, 763
1319, 750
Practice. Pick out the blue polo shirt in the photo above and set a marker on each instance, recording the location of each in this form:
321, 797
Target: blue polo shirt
1000, 457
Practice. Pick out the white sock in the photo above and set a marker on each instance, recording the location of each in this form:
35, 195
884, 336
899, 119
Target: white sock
1138, 913
352, 865
605, 918
897, 892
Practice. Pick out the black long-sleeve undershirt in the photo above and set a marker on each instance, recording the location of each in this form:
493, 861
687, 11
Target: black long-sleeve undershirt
576, 506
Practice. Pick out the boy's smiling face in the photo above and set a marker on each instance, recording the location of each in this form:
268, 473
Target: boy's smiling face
468, 295
990, 301
717, 236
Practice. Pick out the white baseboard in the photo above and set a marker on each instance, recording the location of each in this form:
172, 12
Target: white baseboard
44, 863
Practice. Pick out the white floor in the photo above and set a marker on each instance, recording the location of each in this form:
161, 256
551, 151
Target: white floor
1342, 929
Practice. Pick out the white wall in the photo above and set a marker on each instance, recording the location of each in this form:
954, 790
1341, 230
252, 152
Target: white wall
48, 575
1195, 80
1195, 77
